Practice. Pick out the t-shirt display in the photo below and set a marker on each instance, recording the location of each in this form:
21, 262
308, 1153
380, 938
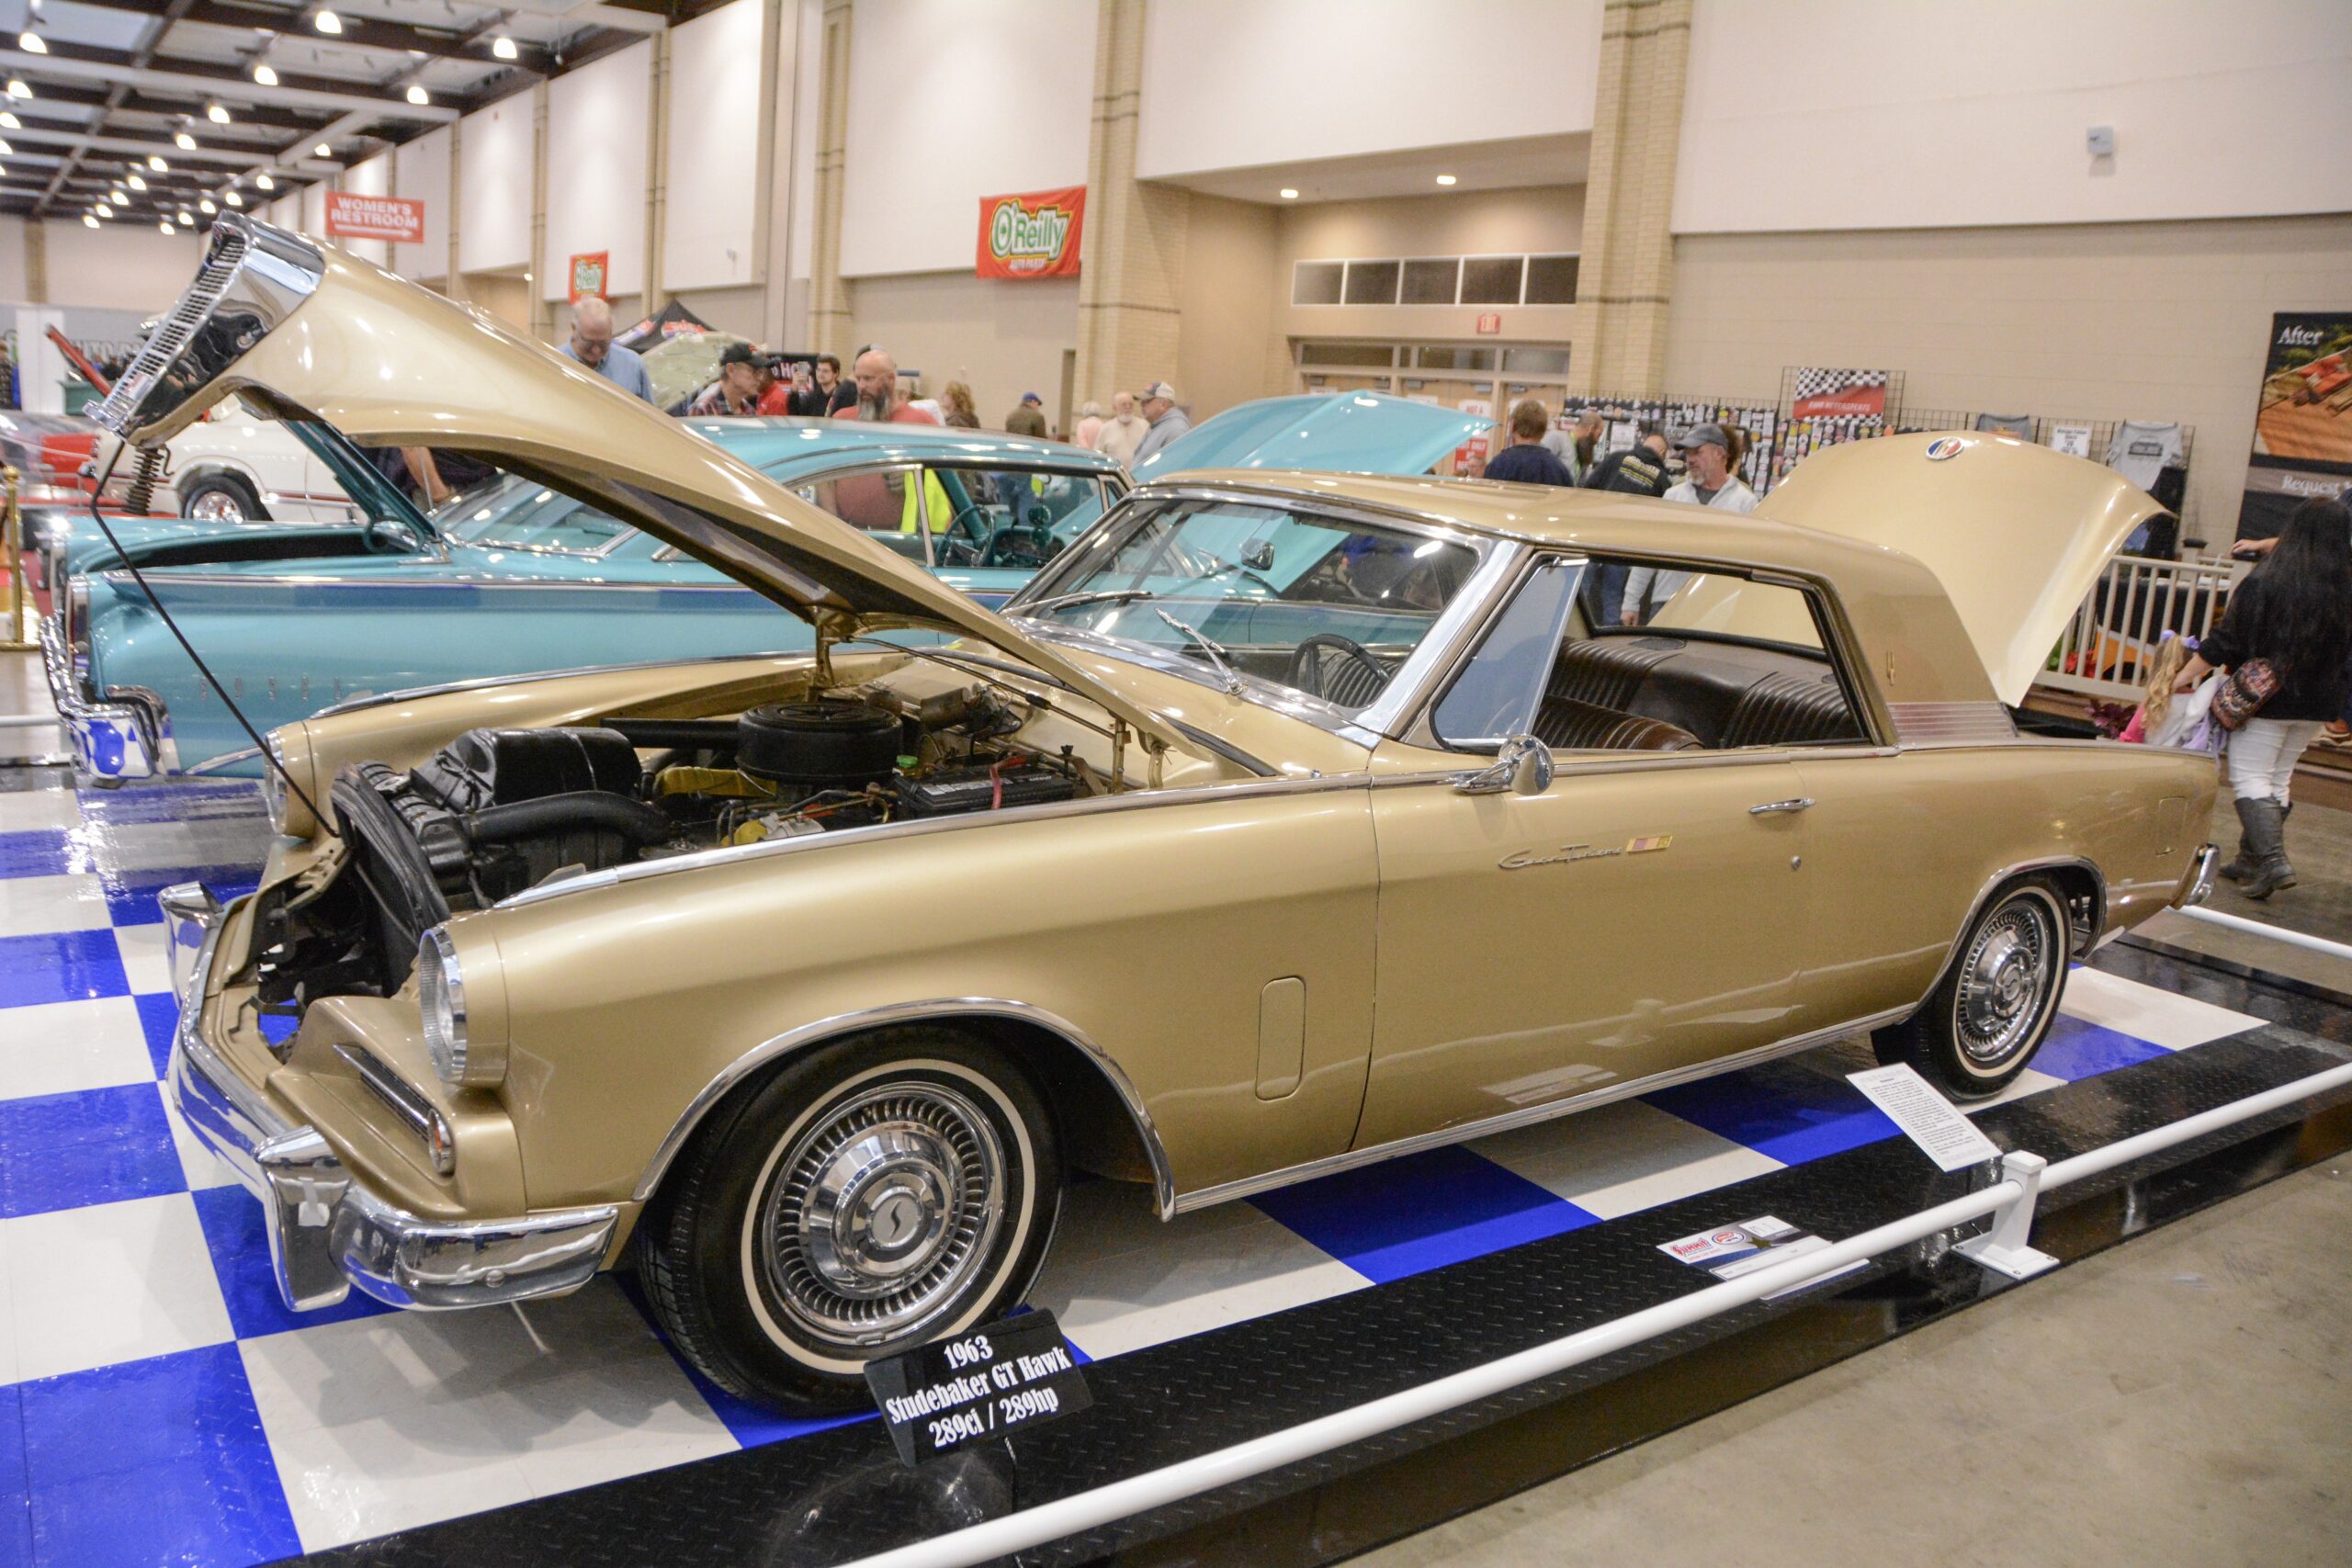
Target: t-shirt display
2017, 424
2142, 449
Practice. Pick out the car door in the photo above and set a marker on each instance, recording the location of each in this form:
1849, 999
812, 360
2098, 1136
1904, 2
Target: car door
1642, 914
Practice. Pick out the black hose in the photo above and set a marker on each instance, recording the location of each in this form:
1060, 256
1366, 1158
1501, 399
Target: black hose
682, 734
633, 819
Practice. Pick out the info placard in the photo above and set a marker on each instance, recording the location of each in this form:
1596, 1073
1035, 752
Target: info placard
1929, 1120
987, 1382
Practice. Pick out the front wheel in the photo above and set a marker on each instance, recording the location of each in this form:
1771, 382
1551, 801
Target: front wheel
1994, 1006
869, 1197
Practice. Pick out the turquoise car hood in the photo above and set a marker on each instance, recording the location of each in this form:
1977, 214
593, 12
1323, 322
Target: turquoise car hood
1342, 432
86, 544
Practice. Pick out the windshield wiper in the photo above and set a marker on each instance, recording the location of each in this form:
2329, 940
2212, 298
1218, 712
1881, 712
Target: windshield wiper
1213, 652
1086, 596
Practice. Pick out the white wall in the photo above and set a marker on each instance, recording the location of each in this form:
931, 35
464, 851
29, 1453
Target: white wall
950, 101
494, 187
421, 172
597, 118
12, 253
1235, 84
285, 211
122, 267
373, 178
713, 206
313, 204
1859, 114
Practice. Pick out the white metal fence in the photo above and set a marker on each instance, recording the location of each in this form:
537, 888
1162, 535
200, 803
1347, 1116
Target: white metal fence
2105, 650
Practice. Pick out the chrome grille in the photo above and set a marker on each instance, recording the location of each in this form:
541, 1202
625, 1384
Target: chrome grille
115, 411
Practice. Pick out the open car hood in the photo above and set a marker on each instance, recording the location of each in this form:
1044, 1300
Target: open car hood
302, 329
2016, 533
1341, 432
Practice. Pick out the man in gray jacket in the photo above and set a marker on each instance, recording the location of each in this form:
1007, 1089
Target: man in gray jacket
1168, 420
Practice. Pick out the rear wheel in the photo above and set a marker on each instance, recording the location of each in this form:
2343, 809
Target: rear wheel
223, 498
1994, 1006
870, 1197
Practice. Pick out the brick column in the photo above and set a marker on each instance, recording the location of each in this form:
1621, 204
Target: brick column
1132, 260
1619, 342
829, 313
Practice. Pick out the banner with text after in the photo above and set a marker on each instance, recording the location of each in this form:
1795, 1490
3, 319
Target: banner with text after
2303, 421
1034, 234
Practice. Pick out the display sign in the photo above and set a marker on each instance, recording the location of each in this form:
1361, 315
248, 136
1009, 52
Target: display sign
1490, 323
587, 274
1927, 1118
351, 216
986, 1383
1839, 394
2074, 440
1032, 235
1729, 1251
2302, 421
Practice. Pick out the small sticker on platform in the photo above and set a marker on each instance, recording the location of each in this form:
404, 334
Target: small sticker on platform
1729, 1251
985, 1383
1927, 1118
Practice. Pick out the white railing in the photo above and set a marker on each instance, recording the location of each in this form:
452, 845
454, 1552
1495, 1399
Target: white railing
2105, 650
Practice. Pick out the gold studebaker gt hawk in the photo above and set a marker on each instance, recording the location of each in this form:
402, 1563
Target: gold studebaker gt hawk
1284, 823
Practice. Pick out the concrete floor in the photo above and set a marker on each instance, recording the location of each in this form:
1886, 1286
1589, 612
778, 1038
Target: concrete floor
2185, 1398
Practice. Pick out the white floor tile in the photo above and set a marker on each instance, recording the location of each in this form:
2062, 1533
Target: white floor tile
2144, 1012
2025, 1083
58, 1047
112, 1282
8, 1313
384, 1423
22, 810
203, 1166
30, 906
1621, 1158
1187, 1285
146, 958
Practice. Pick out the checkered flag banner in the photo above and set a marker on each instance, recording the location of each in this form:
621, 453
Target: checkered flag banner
1813, 382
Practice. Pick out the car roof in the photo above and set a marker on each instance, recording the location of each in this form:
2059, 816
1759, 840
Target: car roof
772, 443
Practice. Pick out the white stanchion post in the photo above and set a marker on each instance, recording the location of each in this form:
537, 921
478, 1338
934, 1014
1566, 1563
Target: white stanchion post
2005, 1250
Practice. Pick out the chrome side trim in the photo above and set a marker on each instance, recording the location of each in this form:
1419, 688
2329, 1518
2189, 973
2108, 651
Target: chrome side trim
180, 579
1129, 800
430, 1126
1528, 1116
1163, 1180
1918, 725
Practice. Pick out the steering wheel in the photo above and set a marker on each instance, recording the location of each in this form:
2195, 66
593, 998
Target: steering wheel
1021, 544
966, 541
1306, 672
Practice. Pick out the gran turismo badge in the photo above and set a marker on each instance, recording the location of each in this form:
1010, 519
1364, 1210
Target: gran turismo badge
1568, 854
1950, 447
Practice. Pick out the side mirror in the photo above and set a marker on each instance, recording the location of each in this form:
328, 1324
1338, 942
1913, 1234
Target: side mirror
1522, 765
391, 537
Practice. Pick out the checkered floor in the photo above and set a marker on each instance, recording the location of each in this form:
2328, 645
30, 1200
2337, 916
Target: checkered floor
161, 1405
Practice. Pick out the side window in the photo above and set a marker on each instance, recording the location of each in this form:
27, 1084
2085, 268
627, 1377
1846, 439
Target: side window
886, 503
1496, 695
1658, 657
1008, 517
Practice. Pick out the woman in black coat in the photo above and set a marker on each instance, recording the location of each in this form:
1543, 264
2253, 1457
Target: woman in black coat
2294, 611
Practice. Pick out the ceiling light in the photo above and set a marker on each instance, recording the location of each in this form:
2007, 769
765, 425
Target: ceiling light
1289, 195
184, 141
323, 151
7, 151
326, 22
10, 121
155, 162
166, 227
17, 88
217, 113
264, 182
265, 76
417, 95
188, 218
233, 198
120, 199
205, 205
504, 48
32, 42
134, 181
1445, 179
103, 211
88, 221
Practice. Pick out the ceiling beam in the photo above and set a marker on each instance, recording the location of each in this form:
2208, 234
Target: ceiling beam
150, 42
187, 81
362, 32
141, 147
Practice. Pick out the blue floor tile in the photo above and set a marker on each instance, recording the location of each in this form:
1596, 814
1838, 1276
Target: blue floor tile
16, 1499
99, 1146
150, 1463
1788, 1113
240, 1246
60, 966
158, 1017
1422, 1212
131, 895
2078, 1050
40, 852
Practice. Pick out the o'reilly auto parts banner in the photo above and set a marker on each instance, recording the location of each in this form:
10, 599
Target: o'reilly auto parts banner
1032, 235
2302, 425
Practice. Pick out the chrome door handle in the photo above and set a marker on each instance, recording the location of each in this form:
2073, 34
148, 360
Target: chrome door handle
1775, 808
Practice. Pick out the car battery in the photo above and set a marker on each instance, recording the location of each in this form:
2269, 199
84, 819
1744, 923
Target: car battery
945, 791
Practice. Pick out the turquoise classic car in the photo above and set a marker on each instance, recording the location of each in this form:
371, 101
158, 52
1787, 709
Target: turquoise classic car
511, 579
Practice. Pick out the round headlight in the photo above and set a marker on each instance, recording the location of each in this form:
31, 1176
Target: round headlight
441, 997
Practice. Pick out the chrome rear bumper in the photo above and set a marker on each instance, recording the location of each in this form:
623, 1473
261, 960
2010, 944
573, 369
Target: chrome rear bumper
326, 1231
116, 739
2197, 886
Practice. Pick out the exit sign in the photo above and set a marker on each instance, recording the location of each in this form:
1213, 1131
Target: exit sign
1491, 323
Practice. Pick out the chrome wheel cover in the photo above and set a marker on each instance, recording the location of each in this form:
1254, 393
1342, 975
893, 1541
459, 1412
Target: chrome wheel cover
2005, 979
217, 506
880, 1212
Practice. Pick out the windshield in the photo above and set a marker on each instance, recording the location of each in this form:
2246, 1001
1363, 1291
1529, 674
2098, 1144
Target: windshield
1324, 605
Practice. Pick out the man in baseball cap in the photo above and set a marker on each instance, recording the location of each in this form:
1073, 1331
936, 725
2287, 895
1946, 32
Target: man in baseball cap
1168, 420
1707, 481
1029, 418
736, 390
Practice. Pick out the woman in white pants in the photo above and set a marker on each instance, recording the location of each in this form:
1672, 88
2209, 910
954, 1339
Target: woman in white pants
2295, 612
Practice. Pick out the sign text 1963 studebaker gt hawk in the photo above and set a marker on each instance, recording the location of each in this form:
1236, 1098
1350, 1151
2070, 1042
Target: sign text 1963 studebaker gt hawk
1281, 824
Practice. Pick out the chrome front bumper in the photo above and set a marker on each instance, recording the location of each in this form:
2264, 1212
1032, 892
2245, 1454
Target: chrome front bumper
328, 1232
116, 739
